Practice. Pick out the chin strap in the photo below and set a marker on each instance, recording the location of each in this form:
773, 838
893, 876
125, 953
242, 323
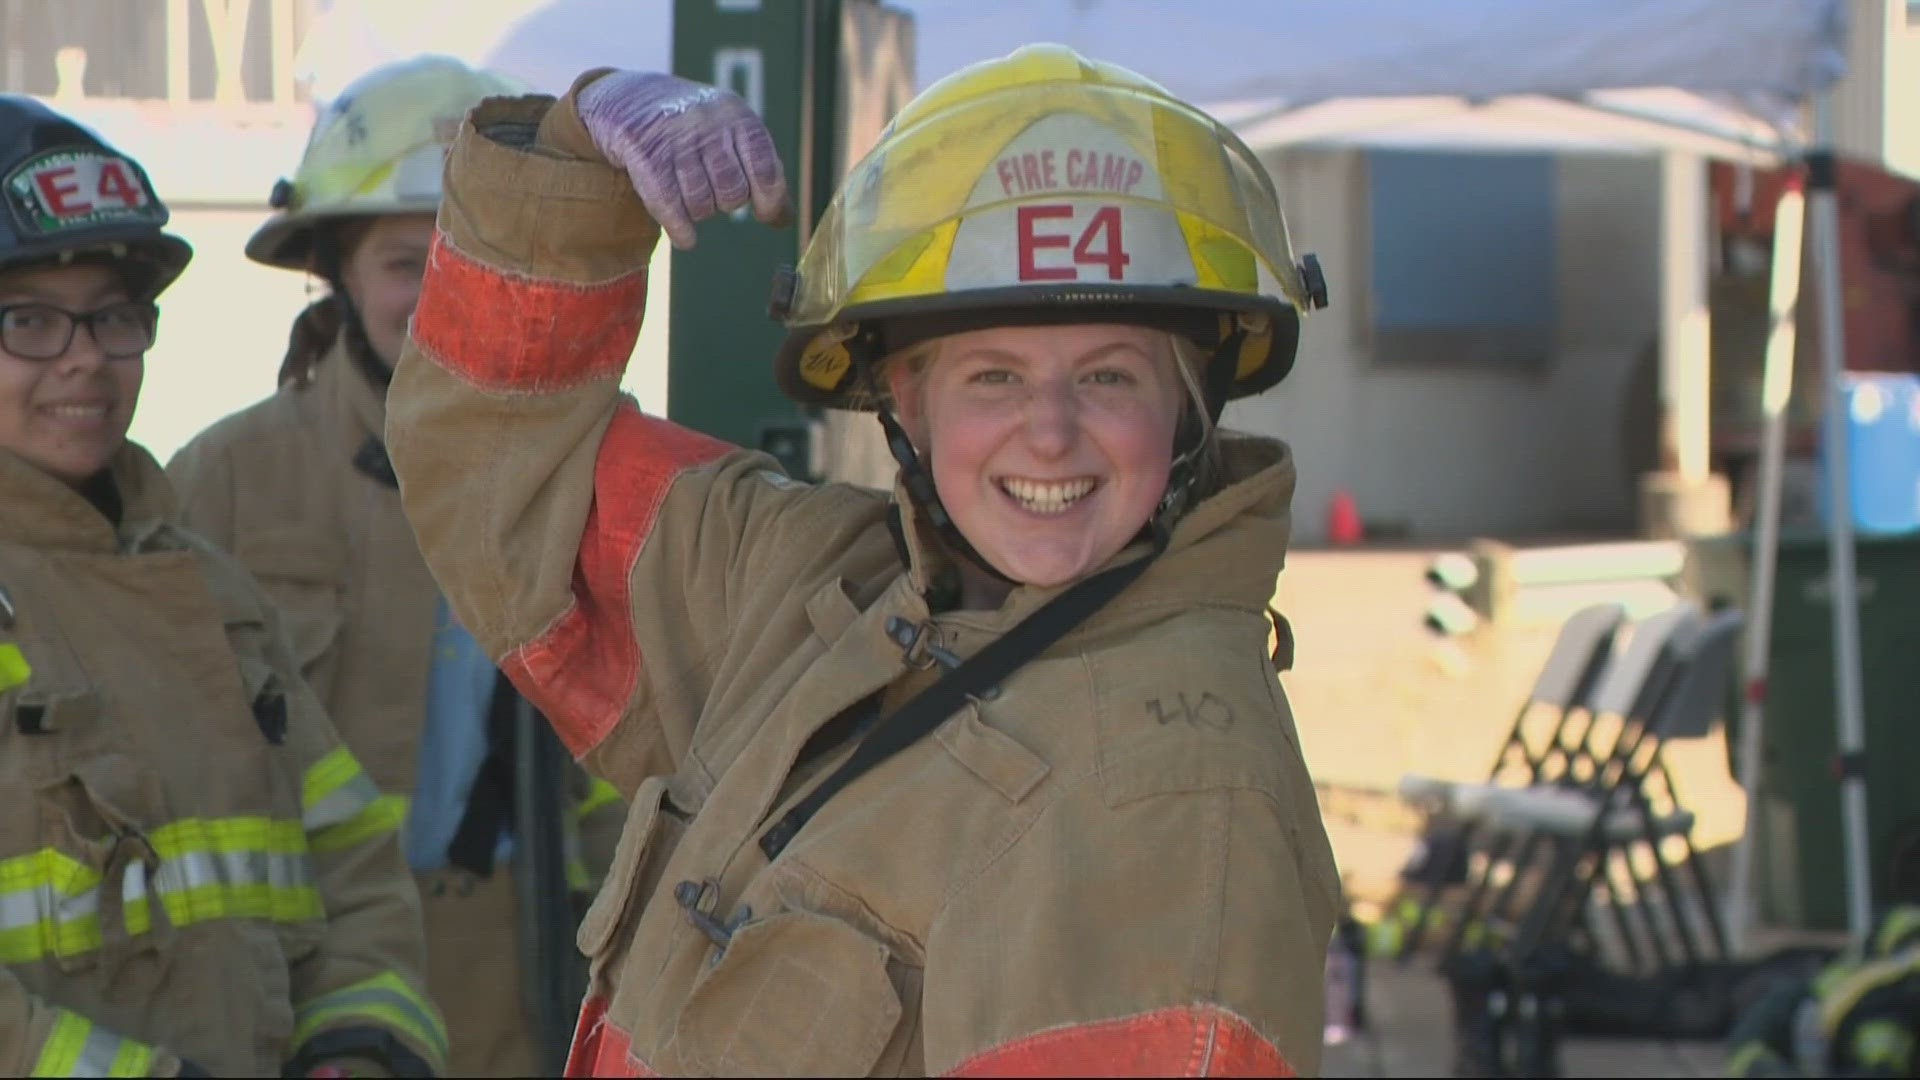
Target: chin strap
1194, 433
920, 488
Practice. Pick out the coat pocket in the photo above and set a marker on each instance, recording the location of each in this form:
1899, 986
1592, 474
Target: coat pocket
652, 832
796, 994
100, 826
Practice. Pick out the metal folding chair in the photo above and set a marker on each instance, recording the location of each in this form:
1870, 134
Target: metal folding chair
1542, 743
1601, 832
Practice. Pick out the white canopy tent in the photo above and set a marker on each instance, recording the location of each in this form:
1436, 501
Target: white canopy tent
1729, 79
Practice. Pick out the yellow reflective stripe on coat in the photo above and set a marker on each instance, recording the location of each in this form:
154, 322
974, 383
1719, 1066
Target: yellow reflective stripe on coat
223, 868
78, 1047
384, 1001
14, 669
341, 806
598, 795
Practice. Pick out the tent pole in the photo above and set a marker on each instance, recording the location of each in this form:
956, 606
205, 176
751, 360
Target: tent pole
1822, 181
1777, 388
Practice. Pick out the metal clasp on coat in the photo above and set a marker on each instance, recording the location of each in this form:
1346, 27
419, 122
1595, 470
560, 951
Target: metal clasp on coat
695, 898
7, 612
920, 644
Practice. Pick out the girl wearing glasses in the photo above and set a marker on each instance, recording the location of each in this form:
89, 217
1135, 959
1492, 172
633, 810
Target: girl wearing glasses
195, 876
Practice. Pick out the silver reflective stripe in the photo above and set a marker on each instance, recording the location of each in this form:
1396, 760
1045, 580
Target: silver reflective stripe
344, 804
97, 1056
198, 869
351, 1000
26, 907
29, 906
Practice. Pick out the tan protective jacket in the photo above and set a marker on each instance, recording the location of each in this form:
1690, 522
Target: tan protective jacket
294, 487
1117, 863
157, 741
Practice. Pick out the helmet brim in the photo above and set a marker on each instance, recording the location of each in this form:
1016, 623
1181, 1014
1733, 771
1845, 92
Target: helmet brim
285, 241
163, 256
893, 325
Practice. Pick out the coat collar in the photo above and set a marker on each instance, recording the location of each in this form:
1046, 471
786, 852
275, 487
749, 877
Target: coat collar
45, 512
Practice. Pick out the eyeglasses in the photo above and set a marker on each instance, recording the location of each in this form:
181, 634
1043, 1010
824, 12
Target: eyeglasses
45, 332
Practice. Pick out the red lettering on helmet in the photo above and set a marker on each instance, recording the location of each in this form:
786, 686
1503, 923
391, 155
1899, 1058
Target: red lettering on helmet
1030, 171
117, 186
58, 197
1046, 168
1134, 169
1073, 168
1008, 176
1113, 254
1113, 173
1099, 244
1031, 241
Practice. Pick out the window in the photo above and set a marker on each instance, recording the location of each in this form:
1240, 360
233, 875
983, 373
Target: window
1461, 257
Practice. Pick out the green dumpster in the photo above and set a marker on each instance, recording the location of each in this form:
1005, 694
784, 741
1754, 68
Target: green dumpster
1800, 847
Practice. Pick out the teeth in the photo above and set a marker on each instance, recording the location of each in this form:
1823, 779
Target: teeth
1042, 497
77, 412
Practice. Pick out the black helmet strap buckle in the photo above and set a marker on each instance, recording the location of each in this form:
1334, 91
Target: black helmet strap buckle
918, 480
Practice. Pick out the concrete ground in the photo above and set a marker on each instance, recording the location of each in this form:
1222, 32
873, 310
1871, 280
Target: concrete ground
1410, 1034
1377, 696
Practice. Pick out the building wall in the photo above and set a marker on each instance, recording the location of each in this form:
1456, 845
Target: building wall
1453, 451
223, 330
1876, 105
127, 43
1900, 86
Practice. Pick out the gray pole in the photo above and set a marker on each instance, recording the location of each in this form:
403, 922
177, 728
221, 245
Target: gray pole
1822, 180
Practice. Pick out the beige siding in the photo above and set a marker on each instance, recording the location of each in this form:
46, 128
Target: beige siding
1457, 452
126, 44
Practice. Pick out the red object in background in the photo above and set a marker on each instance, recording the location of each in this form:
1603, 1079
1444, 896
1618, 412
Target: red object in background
1343, 520
1879, 255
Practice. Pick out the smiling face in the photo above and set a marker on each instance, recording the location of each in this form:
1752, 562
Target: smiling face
1049, 445
67, 416
382, 272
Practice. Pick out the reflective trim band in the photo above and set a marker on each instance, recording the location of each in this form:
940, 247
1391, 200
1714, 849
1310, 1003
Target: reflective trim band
1197, 1040
226, 868
14, 669
78, 1048
599, 795
335, 790
47, 906
1902, 923
1883, 1045
1839, 997
384, 1001
384, 815
1750, 1057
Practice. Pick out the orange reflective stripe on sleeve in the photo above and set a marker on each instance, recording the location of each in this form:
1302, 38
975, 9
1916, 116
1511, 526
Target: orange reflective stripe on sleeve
599, 1048
582, 672
503, 331
1198, 1041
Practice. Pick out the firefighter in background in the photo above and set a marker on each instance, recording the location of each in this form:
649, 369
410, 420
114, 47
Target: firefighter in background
1858, 1017
196, 877
298, 487
991, 777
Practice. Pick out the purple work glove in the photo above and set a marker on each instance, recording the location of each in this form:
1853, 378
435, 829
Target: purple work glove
692, 150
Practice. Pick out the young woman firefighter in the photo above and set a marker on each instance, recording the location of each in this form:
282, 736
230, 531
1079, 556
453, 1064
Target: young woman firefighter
299, 488
991, 777
195, 875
